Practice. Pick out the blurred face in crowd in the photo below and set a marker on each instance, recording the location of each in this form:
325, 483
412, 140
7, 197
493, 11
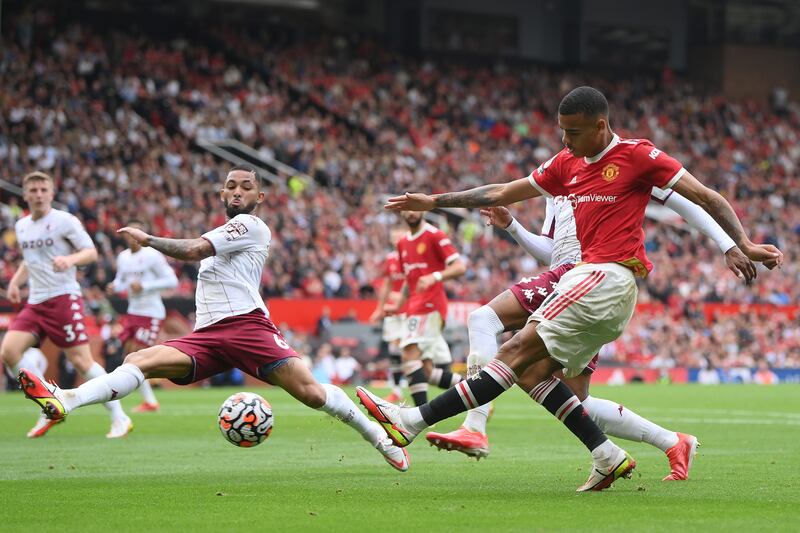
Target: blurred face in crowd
584, 136
241, 193
38, 193
412, 218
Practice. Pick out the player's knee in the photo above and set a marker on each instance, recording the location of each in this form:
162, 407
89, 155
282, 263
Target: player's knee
314, 396
482, 318
138, 358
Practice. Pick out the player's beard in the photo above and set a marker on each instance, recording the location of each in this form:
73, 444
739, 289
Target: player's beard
241, 209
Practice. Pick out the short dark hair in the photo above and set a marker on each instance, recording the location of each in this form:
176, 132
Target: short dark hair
244, 167
586, 100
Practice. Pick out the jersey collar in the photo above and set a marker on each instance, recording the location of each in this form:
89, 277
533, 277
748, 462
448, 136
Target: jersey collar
598, 157
422, 228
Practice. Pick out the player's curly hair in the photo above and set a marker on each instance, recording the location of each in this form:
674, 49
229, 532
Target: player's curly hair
586, 100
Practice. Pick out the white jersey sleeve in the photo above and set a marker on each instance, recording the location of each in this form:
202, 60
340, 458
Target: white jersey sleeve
228, 282
695, 216
76, 235
537, 246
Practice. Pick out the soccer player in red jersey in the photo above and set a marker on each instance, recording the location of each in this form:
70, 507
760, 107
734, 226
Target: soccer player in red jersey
558, 245
54, 243
608, 181
233, 328
394, 323
428, 258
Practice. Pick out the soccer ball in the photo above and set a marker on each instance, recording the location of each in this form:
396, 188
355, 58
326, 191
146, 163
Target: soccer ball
245, 419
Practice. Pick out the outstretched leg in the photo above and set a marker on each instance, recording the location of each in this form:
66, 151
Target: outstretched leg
158, 361
294, 377
619, 421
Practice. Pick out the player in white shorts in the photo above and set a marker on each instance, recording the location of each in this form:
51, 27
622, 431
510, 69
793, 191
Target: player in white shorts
558, 245
233, 328
53, 244
428, 258
142, 273
608, 181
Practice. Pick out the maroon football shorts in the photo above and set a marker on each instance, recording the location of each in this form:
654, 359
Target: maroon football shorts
249, 342
142, 330
60, 319
531, 292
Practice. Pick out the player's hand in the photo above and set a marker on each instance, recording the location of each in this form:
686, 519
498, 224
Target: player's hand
136, 234
61, 263
739, 264
110, 289
764, 253
499, 217
410, 201
136, 287
12, 293
425, 282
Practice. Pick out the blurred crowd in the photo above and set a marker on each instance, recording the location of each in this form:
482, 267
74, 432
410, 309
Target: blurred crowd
115, 115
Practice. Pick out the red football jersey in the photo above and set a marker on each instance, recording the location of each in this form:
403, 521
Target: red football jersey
609, 193
427, 251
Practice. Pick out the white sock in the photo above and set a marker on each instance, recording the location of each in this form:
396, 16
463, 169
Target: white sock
484, 327
148, 396
476, 418
118, 384
340, 406
619, 421
412, 418
114, 407
605, 454
28, 362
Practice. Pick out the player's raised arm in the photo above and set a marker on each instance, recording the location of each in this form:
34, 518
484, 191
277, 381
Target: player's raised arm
485, 196
537, 246
183, 249
722, 212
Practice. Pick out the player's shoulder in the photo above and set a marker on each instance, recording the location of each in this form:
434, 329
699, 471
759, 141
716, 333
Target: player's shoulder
637, 145
433, 232
23, 221
253, 223
58, 214
126, 253
562, 157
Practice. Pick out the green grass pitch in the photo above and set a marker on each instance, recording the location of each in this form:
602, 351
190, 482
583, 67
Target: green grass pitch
176, 472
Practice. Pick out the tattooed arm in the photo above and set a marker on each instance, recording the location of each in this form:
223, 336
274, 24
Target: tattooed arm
486, 196
183, 249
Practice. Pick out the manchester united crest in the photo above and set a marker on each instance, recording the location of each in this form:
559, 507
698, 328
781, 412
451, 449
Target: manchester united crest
421, 248
610, 172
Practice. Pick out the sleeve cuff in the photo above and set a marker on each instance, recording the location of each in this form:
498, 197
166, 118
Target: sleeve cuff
451, 259
214, 248
513, 228
675, 179
538, 187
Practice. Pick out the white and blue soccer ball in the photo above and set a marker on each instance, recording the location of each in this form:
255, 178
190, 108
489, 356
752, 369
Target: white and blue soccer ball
245, 419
